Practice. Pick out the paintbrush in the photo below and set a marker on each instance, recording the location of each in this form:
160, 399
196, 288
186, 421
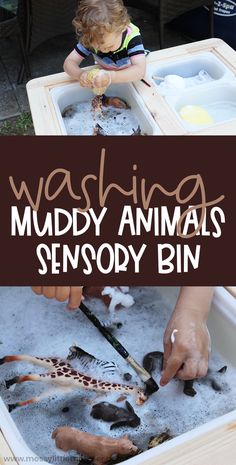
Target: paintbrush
151, 385
145, 82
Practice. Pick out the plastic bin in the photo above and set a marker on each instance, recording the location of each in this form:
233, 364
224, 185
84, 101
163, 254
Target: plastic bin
64, 96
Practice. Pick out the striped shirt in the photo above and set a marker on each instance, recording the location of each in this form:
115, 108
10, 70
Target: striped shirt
131, 45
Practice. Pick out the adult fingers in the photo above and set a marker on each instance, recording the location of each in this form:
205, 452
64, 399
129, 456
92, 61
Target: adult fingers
75, 297
37, 289
49, 292
62, 293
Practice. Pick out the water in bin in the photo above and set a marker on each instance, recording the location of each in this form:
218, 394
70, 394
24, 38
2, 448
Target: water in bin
195, 23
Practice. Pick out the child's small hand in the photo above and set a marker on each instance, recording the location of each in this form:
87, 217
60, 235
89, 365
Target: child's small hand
186, 346
102, 79
62, 293
84, 81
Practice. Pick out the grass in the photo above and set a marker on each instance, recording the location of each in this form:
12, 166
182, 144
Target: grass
19, 126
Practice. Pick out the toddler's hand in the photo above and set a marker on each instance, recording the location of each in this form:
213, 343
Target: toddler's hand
62, 293
186, 355
102, 79
84, 81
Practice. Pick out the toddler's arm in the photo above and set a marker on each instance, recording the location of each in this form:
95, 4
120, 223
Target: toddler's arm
134, 72
62, 293
71, 67
186, 355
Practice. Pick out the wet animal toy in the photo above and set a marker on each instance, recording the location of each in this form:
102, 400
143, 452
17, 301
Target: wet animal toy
154, 360
61, 374
99, 131
136, 132
159, 439
103, 101
100, 448
88, 361
121, 416
188, 388
114, 297
214, 378
115, 102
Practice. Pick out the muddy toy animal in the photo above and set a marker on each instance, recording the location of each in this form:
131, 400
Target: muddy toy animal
213, 378
159, 439
115, 102
103, 101
136, 132
188, 388
153, 361
61, 373
121, 416
99, 448
99, 131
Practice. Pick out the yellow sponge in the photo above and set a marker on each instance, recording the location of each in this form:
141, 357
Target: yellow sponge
195, 114
90, 76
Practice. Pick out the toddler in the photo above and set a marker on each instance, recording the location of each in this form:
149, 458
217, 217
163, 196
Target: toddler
105, 31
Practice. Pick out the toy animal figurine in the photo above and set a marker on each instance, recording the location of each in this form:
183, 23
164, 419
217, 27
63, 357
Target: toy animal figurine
159, 439
114, 297
188, 388
115, 102
99, 131
154, 360
88, 361
62, 374
136, 132
99, 448
121, 416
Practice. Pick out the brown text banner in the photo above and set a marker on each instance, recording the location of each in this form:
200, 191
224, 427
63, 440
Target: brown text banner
117, 210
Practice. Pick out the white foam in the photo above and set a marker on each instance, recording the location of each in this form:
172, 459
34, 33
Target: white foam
114, 121
37, 326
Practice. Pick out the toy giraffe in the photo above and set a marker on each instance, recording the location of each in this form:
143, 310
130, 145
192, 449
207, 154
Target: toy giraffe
62, 374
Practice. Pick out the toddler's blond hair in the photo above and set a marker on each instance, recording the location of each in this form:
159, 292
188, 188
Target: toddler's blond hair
96, 17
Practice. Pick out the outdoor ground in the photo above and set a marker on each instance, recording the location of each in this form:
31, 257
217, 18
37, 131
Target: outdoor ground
48, 59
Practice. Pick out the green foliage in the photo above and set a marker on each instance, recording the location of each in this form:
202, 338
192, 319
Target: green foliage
20, 126
9, 4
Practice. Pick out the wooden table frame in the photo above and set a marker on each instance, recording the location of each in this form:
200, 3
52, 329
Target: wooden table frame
46, 121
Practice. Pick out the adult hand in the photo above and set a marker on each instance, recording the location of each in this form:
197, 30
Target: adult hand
62, 293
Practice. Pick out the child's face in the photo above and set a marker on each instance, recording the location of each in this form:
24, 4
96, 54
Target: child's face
111, 41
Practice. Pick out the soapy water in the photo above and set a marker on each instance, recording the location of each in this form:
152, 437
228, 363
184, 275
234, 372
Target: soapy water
114, 121
33, 325
221, 110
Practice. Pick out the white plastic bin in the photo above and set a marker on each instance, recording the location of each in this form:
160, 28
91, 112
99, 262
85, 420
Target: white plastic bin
190, 66
217, 99
222, 326
64, 96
